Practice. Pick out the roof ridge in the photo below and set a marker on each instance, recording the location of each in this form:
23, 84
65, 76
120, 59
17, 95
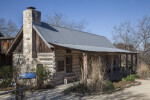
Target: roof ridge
75, 30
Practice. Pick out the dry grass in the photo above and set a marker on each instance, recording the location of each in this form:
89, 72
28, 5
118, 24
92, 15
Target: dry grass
143, 70
97, 83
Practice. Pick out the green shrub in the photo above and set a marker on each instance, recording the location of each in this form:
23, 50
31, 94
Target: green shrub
78, 88
136, 76
83, 88
116, 86
129, 78
42, 74
109, 87
6, 75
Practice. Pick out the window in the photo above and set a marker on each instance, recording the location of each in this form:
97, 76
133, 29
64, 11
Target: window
68, 51
114, 62
69, 64
60, 65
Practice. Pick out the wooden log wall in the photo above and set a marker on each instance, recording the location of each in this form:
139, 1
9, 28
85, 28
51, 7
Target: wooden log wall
60, 54
47, 60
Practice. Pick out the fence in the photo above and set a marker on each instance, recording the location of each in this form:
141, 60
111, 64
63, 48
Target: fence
19, 93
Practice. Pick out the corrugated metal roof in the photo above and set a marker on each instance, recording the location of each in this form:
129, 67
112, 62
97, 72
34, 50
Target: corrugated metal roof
93, 48
75, 39
5, 38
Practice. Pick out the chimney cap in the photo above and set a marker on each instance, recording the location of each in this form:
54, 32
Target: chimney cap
31, 8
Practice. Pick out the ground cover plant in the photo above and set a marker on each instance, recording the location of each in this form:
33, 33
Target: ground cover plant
108, 86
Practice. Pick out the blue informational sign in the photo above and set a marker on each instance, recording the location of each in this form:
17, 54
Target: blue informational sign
26, 75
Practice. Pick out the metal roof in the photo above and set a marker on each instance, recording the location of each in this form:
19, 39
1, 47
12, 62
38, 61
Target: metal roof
75, 39
7, 38
93, 48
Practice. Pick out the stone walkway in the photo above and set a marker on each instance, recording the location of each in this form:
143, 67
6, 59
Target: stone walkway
141, 92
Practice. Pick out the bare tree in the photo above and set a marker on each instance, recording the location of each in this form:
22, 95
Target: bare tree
123, 35
8, 28
133, 35
60, 19
144, 31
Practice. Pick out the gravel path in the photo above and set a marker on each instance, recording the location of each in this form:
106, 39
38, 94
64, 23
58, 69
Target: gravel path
141, 92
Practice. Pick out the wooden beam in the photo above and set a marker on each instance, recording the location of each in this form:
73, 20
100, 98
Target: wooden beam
127, 69
120, 63
112, 63
84, 72
135, 59
131, 63
120, 60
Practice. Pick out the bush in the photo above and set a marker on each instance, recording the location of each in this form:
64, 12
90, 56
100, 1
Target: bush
129, 78
143, 70
109, 87
42, 74
79, 88
136, 76
6, 75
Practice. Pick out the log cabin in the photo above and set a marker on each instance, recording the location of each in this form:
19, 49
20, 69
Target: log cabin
64, 51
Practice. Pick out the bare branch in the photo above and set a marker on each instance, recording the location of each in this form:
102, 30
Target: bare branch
59, 19
8, 28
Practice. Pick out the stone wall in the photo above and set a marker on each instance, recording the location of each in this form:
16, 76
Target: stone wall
46, 59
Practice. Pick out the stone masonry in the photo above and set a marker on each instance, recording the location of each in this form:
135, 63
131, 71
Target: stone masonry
30, 16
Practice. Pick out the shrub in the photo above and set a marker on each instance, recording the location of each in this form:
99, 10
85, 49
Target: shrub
136, 76
78, 88
109, 87
129, 78
143, 70
42, 74
98, 71
6, 75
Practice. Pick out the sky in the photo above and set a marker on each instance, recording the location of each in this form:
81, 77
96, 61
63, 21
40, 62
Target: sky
101, 15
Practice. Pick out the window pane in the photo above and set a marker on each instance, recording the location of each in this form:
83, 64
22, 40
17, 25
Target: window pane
69, 64
68, 50
68, 60
60, 66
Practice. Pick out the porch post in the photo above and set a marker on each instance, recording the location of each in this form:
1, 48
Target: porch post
135, 61
112, 61
127, 69
131, 63
120, 63
84, 78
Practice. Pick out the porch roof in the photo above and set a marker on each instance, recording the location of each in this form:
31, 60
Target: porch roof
95, 49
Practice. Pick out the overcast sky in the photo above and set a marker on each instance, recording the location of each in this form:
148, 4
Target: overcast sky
101, 15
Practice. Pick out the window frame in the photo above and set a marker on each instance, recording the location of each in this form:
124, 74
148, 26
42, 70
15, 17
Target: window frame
58, 66
69, 65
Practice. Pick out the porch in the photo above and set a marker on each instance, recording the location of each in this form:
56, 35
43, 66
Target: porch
116, 65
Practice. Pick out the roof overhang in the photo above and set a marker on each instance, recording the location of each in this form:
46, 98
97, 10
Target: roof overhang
95, 49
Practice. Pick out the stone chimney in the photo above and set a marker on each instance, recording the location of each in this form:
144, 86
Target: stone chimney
30, 16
